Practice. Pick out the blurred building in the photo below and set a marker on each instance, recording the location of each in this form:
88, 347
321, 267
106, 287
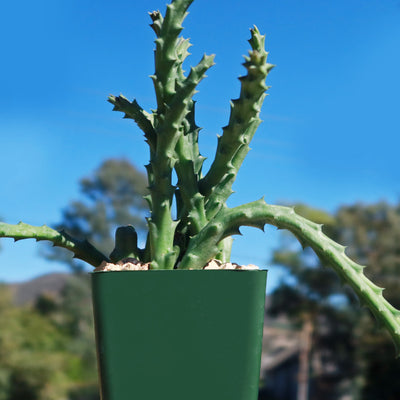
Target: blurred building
290, 368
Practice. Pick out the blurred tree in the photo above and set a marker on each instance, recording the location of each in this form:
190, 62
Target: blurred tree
76, 309
112, 196
346, 343
33, 360
71, 313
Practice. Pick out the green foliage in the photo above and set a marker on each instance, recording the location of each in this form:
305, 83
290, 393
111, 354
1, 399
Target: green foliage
204, 223
32, 355
47, 351
75, 318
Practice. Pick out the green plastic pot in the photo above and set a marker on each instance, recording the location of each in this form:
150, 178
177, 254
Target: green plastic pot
179, 335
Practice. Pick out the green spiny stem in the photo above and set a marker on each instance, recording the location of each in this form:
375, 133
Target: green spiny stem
125, 244
188, 145
257, 214
182, 52
146, 252
192, 136
166, 61
233, 145
224, 250
169, 130
157, 19
188, 170
173, 92
189, 161
82, 249
145, 122
133, 111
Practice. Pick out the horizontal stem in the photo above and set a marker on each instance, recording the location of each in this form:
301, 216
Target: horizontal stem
82, 249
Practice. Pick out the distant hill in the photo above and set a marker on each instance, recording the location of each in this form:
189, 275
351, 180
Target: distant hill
27, 292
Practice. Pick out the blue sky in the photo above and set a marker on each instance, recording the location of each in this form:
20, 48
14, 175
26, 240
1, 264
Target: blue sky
331, 127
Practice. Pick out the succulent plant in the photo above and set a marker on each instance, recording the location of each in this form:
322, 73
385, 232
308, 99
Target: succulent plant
203, 226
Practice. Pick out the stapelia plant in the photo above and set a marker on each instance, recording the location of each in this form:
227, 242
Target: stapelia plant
204, 224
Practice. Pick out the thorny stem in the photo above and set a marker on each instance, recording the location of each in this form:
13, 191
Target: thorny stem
82, 249
257, 214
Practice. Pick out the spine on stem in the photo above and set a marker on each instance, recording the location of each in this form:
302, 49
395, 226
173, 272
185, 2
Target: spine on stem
244, 120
